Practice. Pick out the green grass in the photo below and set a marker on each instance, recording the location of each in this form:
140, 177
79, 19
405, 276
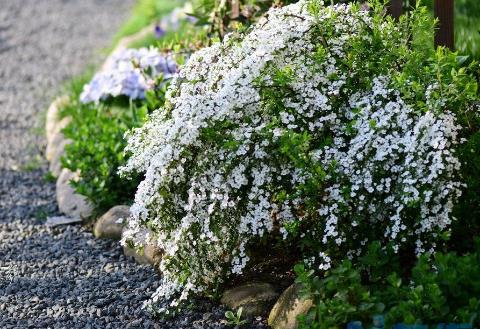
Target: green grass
144, 13
467, 25
467, 34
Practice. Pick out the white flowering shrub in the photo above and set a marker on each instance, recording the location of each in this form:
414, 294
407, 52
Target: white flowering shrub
131, 72
323, 126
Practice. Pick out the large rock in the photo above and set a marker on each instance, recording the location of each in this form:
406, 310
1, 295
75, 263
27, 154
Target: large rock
55, 166
69, 202
254, 298
288, 307
108, 225
53, 118
150, 255
55, 143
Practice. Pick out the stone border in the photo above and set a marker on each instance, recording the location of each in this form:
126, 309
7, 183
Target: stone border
75, 205
69, 202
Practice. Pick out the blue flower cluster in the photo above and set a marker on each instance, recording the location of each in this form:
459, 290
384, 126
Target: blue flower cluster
130, 73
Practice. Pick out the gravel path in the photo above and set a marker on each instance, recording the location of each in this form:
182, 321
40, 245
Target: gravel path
54, 278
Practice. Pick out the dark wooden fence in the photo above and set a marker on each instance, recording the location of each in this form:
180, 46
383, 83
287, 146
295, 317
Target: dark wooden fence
443, 10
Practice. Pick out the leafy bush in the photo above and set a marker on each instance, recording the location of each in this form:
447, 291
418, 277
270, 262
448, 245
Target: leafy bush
97, 150
445, 289
330, 127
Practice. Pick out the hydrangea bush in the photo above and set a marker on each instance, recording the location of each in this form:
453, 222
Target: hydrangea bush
131, 72
326, 126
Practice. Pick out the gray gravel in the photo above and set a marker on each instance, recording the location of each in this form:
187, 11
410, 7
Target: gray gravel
61, 277
57, 278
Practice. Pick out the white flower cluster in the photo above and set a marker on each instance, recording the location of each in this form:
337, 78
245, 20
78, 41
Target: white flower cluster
131, 72
215, 162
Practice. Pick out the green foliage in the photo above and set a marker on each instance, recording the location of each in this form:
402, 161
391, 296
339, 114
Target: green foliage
339, 297
442, 288
466, 23
468, 209
235, 319
224, 16
97, 149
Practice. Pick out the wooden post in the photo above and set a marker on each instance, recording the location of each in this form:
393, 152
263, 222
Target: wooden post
444, 35
395, 8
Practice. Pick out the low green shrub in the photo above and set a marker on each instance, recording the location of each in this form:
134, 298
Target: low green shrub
442, 289
97, 150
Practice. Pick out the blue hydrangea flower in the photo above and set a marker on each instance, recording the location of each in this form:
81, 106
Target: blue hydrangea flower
131, 73
159, 32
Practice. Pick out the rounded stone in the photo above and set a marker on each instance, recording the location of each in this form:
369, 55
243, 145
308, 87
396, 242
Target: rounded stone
253, 298
108, 226
149, 255
289, 306
53, 116
53, 145
69, 202
55, 166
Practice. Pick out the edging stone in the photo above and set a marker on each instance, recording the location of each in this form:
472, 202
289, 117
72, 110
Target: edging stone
69, 202
254, 298
288, 307
53, 116
149, 255
108, 225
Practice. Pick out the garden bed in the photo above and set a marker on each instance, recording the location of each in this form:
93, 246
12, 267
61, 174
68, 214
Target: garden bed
310, 164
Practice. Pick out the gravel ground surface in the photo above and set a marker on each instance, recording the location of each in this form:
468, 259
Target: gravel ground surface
60, 277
